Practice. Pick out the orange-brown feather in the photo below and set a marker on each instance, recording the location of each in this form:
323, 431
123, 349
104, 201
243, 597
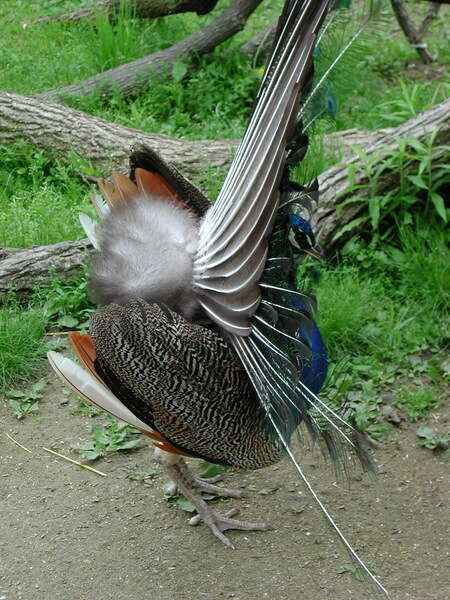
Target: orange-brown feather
123, 190
153, 184
126, 189
84, 348
110, 194
165, 445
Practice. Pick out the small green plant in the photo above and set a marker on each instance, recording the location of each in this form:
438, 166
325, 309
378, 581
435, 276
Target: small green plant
65, 302
421, 179
26, 402
364, 411
354, 570
432, 440
147, 477
209, 470
113, 437
410, 101
417, 403
186, 505
84, 407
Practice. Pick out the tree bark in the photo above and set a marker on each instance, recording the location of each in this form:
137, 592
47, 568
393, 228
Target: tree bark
104, 144
432, 13
413, 35
259, 47
144, 9
23, 268
133, 77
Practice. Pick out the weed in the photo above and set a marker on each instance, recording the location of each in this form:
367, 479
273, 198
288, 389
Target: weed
209, 470
432, 440
147, 477
410, 101
354, 570
84, 407
65, 302
186, 505
363, 410
417, 403
421, 179
26, 402
113, 437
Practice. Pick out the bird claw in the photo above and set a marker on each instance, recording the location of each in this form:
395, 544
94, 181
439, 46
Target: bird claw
219, 523
214, 479
192, 487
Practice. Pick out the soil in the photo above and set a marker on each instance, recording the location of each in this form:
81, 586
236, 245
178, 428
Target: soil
67, 533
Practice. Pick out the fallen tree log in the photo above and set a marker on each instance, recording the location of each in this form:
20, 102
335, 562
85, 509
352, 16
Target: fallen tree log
259, 47
107, 145
133, 77
144, 9
24, 268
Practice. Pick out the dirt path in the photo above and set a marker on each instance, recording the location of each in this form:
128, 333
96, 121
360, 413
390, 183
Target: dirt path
68, 534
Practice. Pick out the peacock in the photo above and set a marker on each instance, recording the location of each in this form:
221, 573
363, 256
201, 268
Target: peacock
203, 341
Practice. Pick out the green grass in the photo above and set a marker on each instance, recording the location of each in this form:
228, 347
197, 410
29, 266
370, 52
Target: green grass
194, 107
382, 302
57, 306
40, 198
21, 342
62, 53
384, 316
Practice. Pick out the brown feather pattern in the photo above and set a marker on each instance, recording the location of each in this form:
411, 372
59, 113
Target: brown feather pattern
184, 381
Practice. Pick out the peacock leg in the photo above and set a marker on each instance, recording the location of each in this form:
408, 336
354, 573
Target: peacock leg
206, 485
189, 487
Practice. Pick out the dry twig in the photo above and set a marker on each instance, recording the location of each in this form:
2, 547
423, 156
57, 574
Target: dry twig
75, 462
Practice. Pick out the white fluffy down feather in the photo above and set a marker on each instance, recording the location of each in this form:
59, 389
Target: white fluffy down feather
147, 248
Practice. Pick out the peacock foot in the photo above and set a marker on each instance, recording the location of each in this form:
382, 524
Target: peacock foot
191, 488
219, 523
